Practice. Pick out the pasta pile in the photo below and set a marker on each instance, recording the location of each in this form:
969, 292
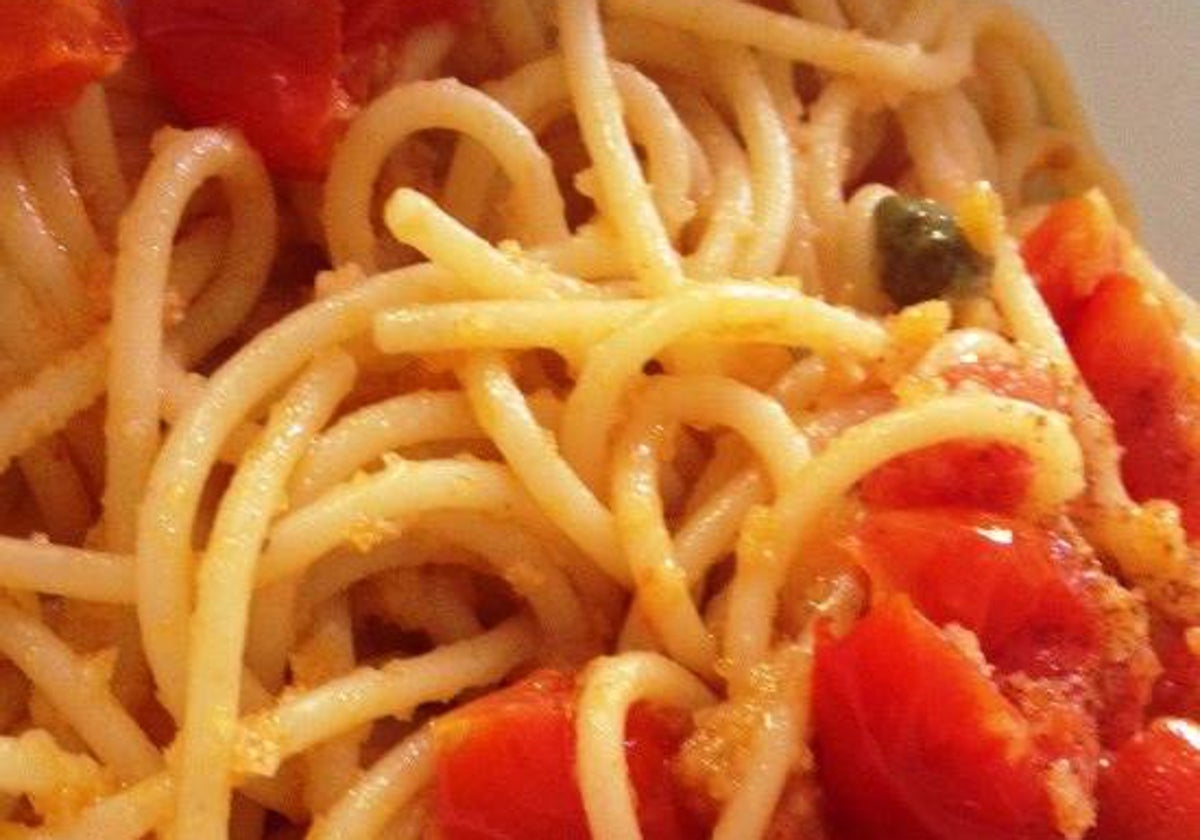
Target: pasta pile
575, 359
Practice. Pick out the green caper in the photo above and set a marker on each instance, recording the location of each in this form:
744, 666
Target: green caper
923, 252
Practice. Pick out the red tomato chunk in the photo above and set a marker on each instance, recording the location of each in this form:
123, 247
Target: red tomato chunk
914, 742
51, 49
972, 474
1177, 691
1018, 587
505, 768
1150, 790
967, 473
267, 67
1132, 358
1075, 246
1128, 349
275, 68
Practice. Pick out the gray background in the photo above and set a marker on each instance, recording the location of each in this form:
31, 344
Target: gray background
1137, 66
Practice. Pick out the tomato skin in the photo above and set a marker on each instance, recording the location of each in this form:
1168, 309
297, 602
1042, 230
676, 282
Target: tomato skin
524, 737
267, 67
505, 768
967, 473
1039, 612
1150, 790
50, 50
1018, 587
1131, 356
913, 742
1127, 348
275, 68
1074, 247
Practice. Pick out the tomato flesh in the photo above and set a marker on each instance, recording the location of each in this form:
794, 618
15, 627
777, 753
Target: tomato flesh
1016, 586
1150, 790
1074, 247
973, 474
1132, 358
267, 67
1128, 350
914, 742
505, 768
966, 473
274, 68
51, 49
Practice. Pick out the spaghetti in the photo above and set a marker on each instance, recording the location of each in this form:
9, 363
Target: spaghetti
580, 356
